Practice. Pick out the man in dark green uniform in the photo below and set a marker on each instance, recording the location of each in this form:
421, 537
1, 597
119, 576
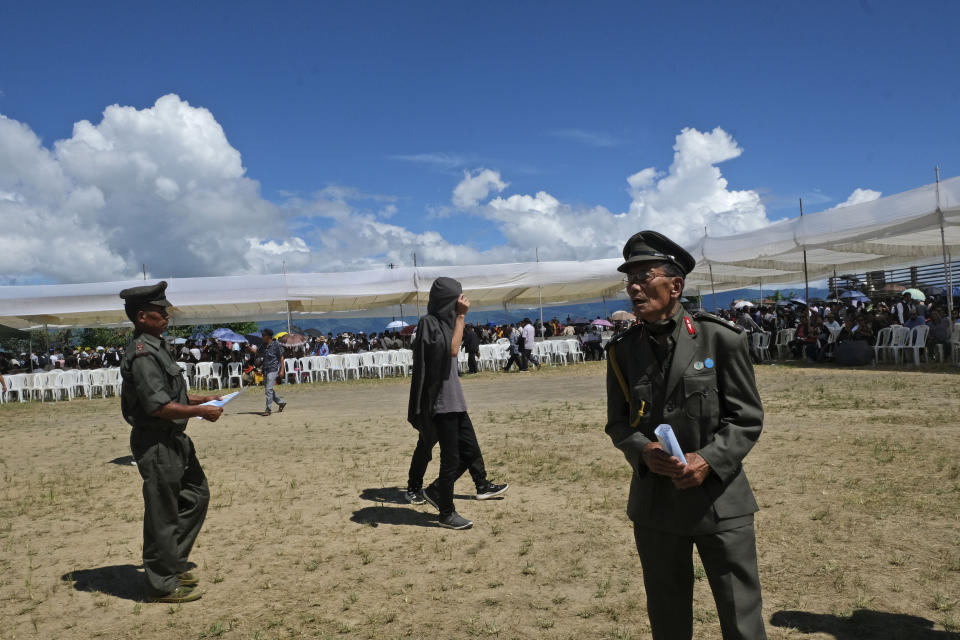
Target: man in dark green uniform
694, 373
155, 402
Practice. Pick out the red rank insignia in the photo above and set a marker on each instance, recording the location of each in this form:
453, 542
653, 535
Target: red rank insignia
140, 347
690, 328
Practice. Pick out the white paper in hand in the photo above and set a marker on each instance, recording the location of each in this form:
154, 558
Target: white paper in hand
219, 403
668, 440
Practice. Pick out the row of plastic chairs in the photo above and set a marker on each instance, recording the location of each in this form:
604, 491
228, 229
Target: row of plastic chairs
892, 342
60, 384
344, 366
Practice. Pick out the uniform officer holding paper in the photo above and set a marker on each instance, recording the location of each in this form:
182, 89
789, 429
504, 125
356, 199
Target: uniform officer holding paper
155, 402
694, 373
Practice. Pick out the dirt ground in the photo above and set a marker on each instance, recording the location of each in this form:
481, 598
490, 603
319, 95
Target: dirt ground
857, 474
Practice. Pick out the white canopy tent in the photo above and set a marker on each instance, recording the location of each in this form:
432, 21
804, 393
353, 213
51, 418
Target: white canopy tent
917, 226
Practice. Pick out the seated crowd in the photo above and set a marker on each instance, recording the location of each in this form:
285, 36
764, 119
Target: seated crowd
850, 322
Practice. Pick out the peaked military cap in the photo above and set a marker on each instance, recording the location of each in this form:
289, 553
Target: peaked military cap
150, 294
650, 246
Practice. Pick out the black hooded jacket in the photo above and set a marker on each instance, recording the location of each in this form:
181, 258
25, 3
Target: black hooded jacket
431, 353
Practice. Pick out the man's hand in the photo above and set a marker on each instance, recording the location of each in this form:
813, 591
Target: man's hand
463, 305
661, 462
694, 473
210, 412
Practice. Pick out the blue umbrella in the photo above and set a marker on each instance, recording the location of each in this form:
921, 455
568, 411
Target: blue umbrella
227, 335
198, 336
855, 295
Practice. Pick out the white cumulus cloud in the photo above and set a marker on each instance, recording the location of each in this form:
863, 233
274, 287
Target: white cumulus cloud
476, 187
162, 186
858, 196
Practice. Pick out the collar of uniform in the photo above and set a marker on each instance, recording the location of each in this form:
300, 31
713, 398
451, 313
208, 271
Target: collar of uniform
668, 326
151, 340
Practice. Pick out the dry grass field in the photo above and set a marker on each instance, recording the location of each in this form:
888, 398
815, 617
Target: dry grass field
857, 474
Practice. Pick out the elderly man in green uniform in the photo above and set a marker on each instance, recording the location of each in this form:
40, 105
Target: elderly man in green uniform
694, 373
155, 402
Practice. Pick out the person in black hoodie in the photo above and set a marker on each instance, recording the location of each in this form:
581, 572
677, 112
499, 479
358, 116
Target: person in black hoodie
438, 410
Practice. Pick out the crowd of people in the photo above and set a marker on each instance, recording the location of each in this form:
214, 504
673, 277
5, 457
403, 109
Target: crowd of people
848, 322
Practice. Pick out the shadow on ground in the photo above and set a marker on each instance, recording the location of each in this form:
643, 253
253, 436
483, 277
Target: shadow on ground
119, 580
126, 461
394, 495
375, 516
864, 624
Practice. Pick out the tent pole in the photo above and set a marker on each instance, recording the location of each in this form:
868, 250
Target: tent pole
806, 281
943, 243
506, 319
760, 301
604, 305
836, 290
416, 287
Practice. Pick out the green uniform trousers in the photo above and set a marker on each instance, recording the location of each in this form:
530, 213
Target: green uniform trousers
175, 498
730, 560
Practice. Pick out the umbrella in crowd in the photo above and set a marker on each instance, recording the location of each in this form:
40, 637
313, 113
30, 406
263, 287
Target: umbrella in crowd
892, 287
600, 322
579, 321
798, 301
854, 295
740, 304
198, 336
254, 339
227, 335
291, 339
315, 333
916, 294
625, 316
397, 324
179, 341
408, 330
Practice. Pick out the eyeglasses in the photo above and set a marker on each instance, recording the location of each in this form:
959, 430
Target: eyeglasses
641, 279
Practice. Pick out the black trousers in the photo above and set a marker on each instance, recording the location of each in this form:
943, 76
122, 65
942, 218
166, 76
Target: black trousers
529, 357
472, 361
519, 358
459, 451
423, 454
730, 560
175, 499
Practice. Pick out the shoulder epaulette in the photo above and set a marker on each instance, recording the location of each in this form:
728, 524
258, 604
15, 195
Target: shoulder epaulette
703, 315
141, 349
613, 341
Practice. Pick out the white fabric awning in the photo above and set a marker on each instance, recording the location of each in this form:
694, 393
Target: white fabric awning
896, 231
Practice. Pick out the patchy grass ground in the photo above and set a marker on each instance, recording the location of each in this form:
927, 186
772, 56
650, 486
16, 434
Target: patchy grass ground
857, 474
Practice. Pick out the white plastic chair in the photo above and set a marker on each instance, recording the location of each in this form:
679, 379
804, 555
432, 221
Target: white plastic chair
784, 338
369, 364
562, 350
234, 372
955, 344
351, 364
335, 366
319, 365
217, 375
915, 341
114, 381
884, 336
574, 351
898, 336
401, 360
98, 380
761, 345
16, 384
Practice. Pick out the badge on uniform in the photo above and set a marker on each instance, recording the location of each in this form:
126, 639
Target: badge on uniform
698, 365
690, 328
140, 347
708, 363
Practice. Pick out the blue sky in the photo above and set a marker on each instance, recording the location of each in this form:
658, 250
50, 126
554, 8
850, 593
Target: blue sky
354, 124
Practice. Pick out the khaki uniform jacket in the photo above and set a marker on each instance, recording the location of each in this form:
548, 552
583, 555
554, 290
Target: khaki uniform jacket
151, 379
710, 399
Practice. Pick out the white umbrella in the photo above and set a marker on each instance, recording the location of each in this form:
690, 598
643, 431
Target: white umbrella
397, 324
740, 304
